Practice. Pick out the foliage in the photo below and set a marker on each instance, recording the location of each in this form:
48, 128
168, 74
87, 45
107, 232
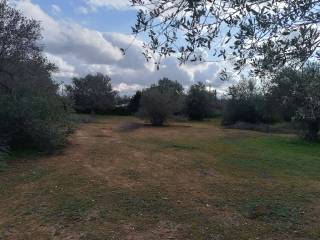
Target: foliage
266, 34
134, 103
31, 111
159, 102
246, 104
166, 84
33, 117
92, 94
3, 155
303, 93
200, 102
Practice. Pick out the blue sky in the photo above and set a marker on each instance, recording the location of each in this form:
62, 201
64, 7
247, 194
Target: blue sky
106, 19
85, 36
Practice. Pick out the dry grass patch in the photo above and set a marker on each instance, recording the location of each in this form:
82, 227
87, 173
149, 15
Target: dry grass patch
177, 182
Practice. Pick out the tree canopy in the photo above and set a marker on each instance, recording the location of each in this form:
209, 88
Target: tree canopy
31, 110
161, 101
266, 34
200, 102
92, 93
19, 44
302, 92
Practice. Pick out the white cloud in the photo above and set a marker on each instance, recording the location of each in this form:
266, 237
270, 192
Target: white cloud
78, 50
65, 37
55, 9
115, 4
94, 5
82, 10
128, 89
66, 70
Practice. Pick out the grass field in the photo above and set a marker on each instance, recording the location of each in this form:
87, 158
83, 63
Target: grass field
119, 179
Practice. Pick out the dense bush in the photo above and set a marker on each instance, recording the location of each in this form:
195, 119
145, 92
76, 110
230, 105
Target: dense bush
34, 117
92, 94
31, 111
300, 90
167, 85
160, 102
291, 95
280, 94
239, 111
246, 104
134, 103
200, 102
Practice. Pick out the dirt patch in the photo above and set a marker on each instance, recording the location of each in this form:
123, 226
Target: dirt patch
163, 230
125, 180
130, 126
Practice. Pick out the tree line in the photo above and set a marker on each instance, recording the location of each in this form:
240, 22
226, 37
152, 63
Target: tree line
291, 95
159, 102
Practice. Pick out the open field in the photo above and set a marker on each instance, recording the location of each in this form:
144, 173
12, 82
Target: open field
120, 180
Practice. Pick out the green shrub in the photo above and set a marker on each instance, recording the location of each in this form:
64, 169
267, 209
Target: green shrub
247, 104
300, 90
35, 118
31, 111
240, 111
134, 103
200, 102
161, 101
92, 94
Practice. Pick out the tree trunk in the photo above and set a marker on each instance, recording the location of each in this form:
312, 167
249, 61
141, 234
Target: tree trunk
157, 121
312, 131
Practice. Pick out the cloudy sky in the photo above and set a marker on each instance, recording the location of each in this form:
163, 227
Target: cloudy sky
85, 36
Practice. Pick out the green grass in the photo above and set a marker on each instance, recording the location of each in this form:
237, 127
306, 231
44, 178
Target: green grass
273, 155
263, 155
273, 171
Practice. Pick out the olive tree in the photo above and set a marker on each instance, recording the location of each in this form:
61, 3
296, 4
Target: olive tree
92, 93
161, 101
165, 84
31, 110
266, 34
303, 92
200, 102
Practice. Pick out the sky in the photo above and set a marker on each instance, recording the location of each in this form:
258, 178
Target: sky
85, 36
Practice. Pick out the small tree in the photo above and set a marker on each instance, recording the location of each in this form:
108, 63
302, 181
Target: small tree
246, 104
165, 84
303, 93
93, 93
159, 102
200, 102
31, 110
